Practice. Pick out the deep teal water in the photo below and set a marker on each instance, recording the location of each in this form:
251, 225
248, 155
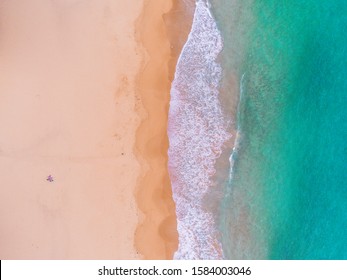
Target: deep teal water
287, 198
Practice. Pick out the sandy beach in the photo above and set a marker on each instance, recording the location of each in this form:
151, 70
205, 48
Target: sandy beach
67, 108
85, 88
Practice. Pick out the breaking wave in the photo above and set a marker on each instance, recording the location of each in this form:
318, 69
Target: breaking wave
197, 131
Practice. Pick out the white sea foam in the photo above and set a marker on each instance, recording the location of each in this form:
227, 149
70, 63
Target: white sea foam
197, 131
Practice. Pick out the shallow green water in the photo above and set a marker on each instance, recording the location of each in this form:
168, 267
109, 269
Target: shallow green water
288, 195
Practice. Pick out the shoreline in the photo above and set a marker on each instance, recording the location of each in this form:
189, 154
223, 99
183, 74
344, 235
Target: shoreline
156, 236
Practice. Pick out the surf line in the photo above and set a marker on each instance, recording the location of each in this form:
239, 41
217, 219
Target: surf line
197, 131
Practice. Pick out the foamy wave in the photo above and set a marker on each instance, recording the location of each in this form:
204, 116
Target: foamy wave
197, 131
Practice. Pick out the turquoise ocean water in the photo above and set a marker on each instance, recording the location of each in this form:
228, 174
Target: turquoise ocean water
287, 194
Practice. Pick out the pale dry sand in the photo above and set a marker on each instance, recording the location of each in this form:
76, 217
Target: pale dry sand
67, 109
163, 29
